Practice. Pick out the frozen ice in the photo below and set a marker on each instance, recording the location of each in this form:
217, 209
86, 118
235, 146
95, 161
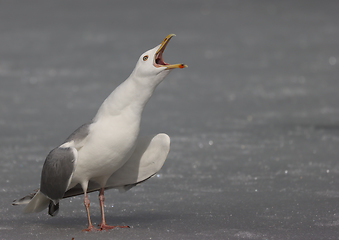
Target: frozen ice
253, 121
332, 60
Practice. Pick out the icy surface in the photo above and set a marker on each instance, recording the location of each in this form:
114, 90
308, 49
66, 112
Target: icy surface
254, 120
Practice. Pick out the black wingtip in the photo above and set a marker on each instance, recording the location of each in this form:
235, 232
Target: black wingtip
53, 209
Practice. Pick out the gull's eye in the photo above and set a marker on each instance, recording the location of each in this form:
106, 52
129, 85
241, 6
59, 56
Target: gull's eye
145, 57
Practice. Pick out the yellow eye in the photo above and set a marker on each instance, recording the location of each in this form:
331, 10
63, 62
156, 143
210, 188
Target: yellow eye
145, 57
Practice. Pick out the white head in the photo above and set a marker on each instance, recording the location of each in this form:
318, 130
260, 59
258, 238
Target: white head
149, 71
151, 68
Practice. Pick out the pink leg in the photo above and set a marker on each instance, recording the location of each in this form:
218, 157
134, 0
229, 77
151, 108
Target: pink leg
90, 226
103, 225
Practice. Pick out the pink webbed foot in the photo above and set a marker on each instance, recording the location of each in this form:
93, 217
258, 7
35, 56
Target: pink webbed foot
107, 227
91, 229
103, 225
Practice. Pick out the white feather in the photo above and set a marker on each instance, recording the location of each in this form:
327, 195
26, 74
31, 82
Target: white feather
38, 203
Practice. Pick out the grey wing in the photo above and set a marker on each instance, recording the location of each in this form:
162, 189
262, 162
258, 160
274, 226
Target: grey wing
57, 172
60, 163
80, 134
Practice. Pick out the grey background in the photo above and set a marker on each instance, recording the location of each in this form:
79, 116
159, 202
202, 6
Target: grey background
254, 120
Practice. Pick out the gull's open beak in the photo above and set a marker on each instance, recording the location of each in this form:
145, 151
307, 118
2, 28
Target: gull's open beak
158, 60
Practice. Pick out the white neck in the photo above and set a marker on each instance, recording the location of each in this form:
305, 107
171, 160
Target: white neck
129, 97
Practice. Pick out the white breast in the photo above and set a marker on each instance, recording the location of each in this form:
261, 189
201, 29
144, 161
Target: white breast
109, 145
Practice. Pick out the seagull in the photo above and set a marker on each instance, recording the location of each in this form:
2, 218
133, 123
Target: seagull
107, 152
